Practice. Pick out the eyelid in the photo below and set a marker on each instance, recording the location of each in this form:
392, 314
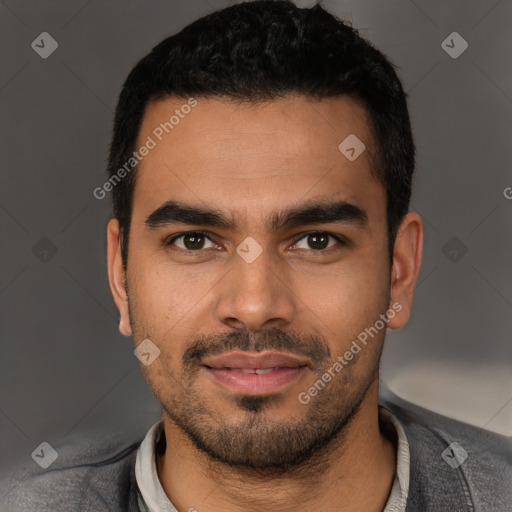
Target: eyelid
342, 241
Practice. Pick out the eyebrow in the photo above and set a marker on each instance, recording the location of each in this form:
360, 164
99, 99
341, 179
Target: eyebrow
311, 212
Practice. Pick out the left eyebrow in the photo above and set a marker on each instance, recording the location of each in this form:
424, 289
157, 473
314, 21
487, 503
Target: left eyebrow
319, 212
310, 212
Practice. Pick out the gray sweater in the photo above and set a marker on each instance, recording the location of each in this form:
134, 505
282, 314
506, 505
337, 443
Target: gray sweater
98, 475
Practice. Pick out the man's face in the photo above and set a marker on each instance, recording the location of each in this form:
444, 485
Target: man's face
271, 291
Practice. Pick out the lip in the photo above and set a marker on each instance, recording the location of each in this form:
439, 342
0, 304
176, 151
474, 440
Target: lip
248, 360
231, 371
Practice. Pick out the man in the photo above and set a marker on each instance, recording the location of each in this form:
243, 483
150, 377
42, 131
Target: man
259, 247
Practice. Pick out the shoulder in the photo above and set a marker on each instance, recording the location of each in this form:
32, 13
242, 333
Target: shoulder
92, 471
452, 457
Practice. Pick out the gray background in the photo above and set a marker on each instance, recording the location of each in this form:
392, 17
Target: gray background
64, 367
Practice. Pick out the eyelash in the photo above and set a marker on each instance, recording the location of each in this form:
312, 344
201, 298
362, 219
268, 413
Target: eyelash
340, 240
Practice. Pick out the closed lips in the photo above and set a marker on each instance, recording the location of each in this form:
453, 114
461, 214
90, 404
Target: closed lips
256, 362
255, 373
259, 371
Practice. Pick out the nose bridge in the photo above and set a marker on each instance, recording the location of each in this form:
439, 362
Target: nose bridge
254, 295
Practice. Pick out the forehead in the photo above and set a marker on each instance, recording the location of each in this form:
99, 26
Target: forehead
234, 156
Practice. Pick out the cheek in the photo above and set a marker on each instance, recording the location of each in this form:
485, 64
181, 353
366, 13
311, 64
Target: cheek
344, 302
167, 294
345, 296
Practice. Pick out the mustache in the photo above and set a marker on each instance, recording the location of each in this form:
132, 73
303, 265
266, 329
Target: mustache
312, 347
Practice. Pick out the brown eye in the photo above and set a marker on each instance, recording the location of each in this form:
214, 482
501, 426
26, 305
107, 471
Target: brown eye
318, 241
191, 241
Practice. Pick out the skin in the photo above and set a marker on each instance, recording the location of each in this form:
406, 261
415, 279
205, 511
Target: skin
249, 161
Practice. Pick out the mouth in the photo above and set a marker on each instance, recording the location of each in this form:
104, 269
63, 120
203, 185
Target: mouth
255, 373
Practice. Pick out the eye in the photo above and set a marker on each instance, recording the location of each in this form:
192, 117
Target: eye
195, 241
318, 241
192, 241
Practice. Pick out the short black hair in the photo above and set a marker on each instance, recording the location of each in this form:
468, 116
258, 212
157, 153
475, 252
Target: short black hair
263, 50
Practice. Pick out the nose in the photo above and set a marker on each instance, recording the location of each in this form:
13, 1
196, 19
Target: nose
256, 295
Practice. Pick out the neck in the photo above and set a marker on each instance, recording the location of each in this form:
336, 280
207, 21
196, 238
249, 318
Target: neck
354, 472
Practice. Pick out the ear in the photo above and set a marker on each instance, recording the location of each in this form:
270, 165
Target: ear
117, 277
407, 256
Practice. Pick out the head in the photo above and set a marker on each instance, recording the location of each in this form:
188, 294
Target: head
246, 225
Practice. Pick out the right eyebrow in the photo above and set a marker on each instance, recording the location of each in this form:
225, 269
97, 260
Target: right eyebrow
173, 212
